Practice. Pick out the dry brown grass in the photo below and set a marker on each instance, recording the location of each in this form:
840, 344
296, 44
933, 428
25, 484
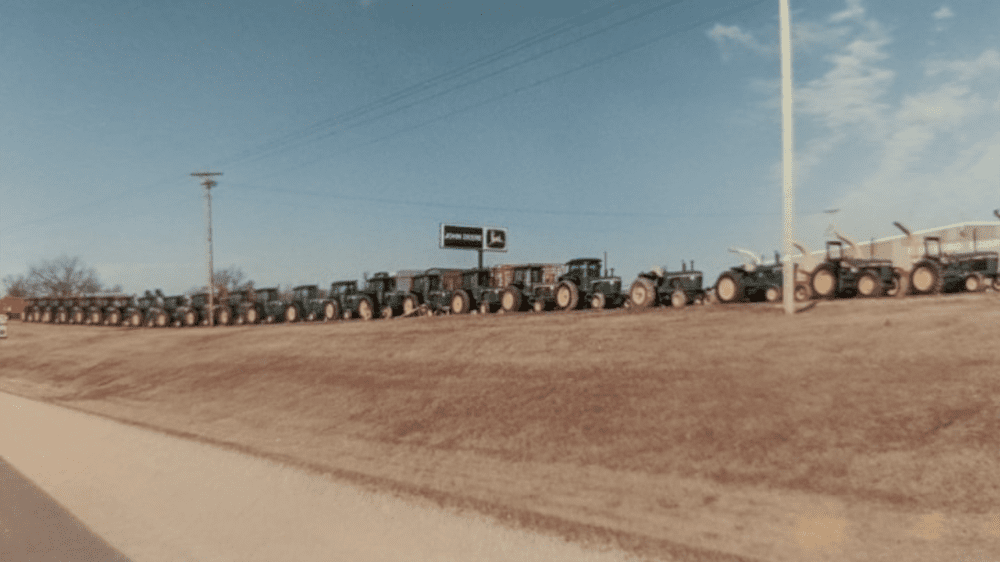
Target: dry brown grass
891, 401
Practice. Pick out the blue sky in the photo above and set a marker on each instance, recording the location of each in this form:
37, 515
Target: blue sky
347, 131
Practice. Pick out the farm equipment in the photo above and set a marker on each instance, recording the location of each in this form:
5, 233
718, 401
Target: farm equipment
78, 311
199, 304
62, 313
176, 308
114, 311
755, 281
148, 310
477, 285
378, 294
439, 291
582, 283
658, 286
309, 304
527, 289
270, 305
940, 272
839, 275
48, 308
95, 310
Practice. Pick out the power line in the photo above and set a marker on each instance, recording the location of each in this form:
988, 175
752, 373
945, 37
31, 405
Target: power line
333, 122
675, 31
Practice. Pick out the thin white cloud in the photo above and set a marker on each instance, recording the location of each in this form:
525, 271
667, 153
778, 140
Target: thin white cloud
966, 70
853, 11
726, 36
943, 13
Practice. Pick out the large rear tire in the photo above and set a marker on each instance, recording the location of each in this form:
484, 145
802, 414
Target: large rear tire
410, 304
510, 300
728, 288
460, 302
869, 285
567, 296
365, 309
824, 282
330, 311
926, 278
642, 294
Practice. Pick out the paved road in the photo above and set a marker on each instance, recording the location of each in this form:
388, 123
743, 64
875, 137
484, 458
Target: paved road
156, 498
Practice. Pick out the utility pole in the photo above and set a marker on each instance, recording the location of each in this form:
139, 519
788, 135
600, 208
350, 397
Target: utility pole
209, 183
787, 145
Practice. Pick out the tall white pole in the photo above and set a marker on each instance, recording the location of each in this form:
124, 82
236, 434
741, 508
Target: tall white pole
787, 158
209, 184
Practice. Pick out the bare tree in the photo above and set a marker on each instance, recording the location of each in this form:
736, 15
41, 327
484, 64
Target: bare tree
62, 277
18, 286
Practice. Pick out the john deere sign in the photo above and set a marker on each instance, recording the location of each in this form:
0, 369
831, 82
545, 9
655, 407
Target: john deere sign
480, 238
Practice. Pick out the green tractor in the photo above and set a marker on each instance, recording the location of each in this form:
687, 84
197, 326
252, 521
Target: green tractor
478, 290
940, 272
435, 295
584, 282
527, 290
659, 286
757, 281
309, 304
840, 275
78, 311
114, 311
271, 306
378, 296
95, 310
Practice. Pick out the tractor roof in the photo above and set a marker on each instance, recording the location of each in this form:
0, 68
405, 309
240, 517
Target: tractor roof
579, 261
305, 287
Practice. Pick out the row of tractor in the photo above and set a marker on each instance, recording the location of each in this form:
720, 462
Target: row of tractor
842, 272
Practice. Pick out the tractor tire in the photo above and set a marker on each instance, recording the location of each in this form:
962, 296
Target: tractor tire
895, 284
46, 317
642, 294
823, 282
79, 317
484, 308
61, 317
190, 318
386, 312
365, 309
728, 288
410, 304
329, 311
567, 296
114, 318
311, 317
678, 298
223, 318
348, 315
869, 285
974, 283
926, 278
773, 294
251, 316
460, 302
802, 292
598, 301
538, 306
135, 320
291, 314
510, 300
161, 320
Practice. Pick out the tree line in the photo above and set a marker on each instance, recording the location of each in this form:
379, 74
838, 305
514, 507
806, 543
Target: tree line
67, 276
